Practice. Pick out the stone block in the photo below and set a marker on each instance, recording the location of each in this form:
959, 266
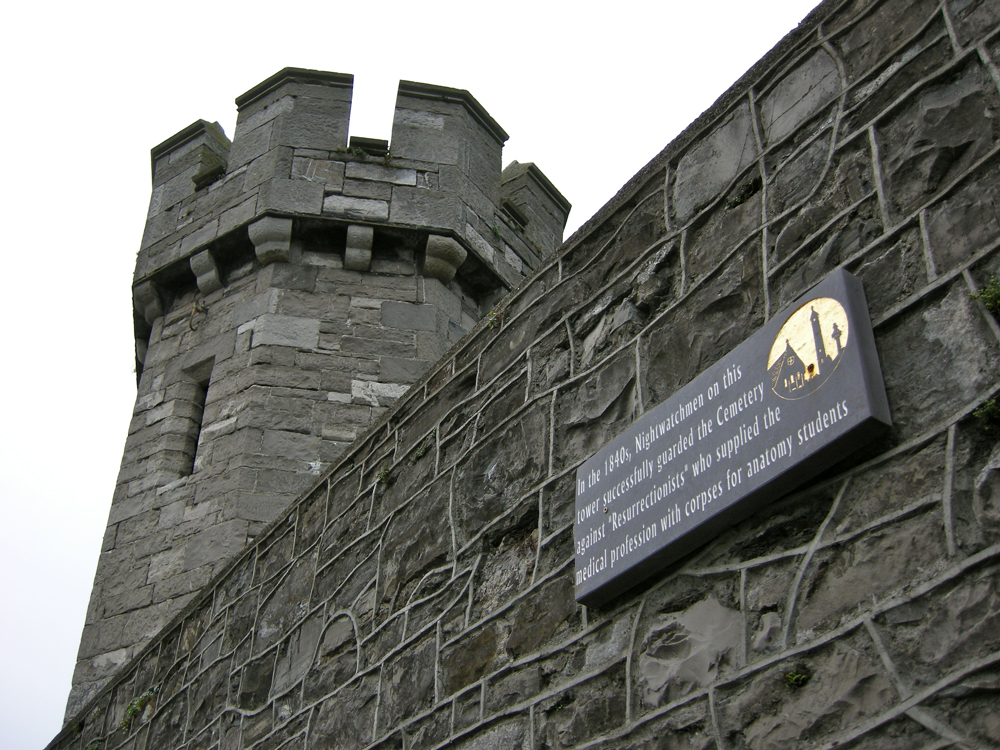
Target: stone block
255, 306
356, 209
409, 317
394, 370
200, 237
713, 162
206, 271
358, 252
315, 123
263, 114
426, 208
272, 237
426, 136
443, 258
376, 172
325, 171
290, 196
376, 394
799, 95
249, 144
147, 300
365, 189
275, 164
221, 542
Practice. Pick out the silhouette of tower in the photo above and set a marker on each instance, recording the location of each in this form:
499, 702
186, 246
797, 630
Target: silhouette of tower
823, 360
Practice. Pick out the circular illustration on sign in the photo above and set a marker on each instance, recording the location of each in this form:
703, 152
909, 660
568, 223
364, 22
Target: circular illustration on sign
808, 348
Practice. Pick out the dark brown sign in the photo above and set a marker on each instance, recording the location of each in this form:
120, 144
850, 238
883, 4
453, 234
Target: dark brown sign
787, 403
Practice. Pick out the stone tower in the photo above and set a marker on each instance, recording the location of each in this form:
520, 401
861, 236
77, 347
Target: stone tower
291, 284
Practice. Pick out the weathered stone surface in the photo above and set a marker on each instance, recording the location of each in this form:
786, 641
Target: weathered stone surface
443, 258
880, 31
799, 95
960, 357
493, 477
469, 659
358, 251
336, 660
965, 222
719, 315
346, 719
713, 162
355, 209
540, 616
583, 712
847, 686
271, 237
286, 606
592, 410
946, 128
413, 205
686, 651
411, 545
408, 684
285, 330
944, 629
853, 575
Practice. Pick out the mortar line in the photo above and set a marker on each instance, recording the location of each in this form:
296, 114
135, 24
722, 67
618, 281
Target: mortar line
482, 700
451, 515
628, 661
946, 507
925, 237
552, 433
984, 55
762, 170
451, 718
800, 574
683, 258
743, 611
538, 544
572, 349
666, 199
944, 731
638, 378
716, 730
877, 173
883, 654
955, 46
378, 701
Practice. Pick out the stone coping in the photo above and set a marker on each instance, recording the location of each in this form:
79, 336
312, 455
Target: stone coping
460, 96
295, 75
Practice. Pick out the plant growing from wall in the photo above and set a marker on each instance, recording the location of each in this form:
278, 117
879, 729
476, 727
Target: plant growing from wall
136, 707
797, 677
989, 295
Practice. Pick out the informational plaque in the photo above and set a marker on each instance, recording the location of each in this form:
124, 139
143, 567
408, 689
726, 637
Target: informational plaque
790, 401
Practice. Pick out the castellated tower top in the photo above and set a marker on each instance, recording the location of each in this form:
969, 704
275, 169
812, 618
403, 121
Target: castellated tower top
291, 158
290, 285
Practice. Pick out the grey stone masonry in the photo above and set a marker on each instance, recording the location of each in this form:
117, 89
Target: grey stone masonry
419, 592
280, 309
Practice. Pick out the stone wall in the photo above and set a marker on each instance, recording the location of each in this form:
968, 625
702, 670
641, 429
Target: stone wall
289, 287
420, 594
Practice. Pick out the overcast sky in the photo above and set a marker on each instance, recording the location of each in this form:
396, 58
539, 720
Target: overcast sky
590, 96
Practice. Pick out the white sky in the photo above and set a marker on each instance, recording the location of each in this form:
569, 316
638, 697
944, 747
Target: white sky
588, 95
